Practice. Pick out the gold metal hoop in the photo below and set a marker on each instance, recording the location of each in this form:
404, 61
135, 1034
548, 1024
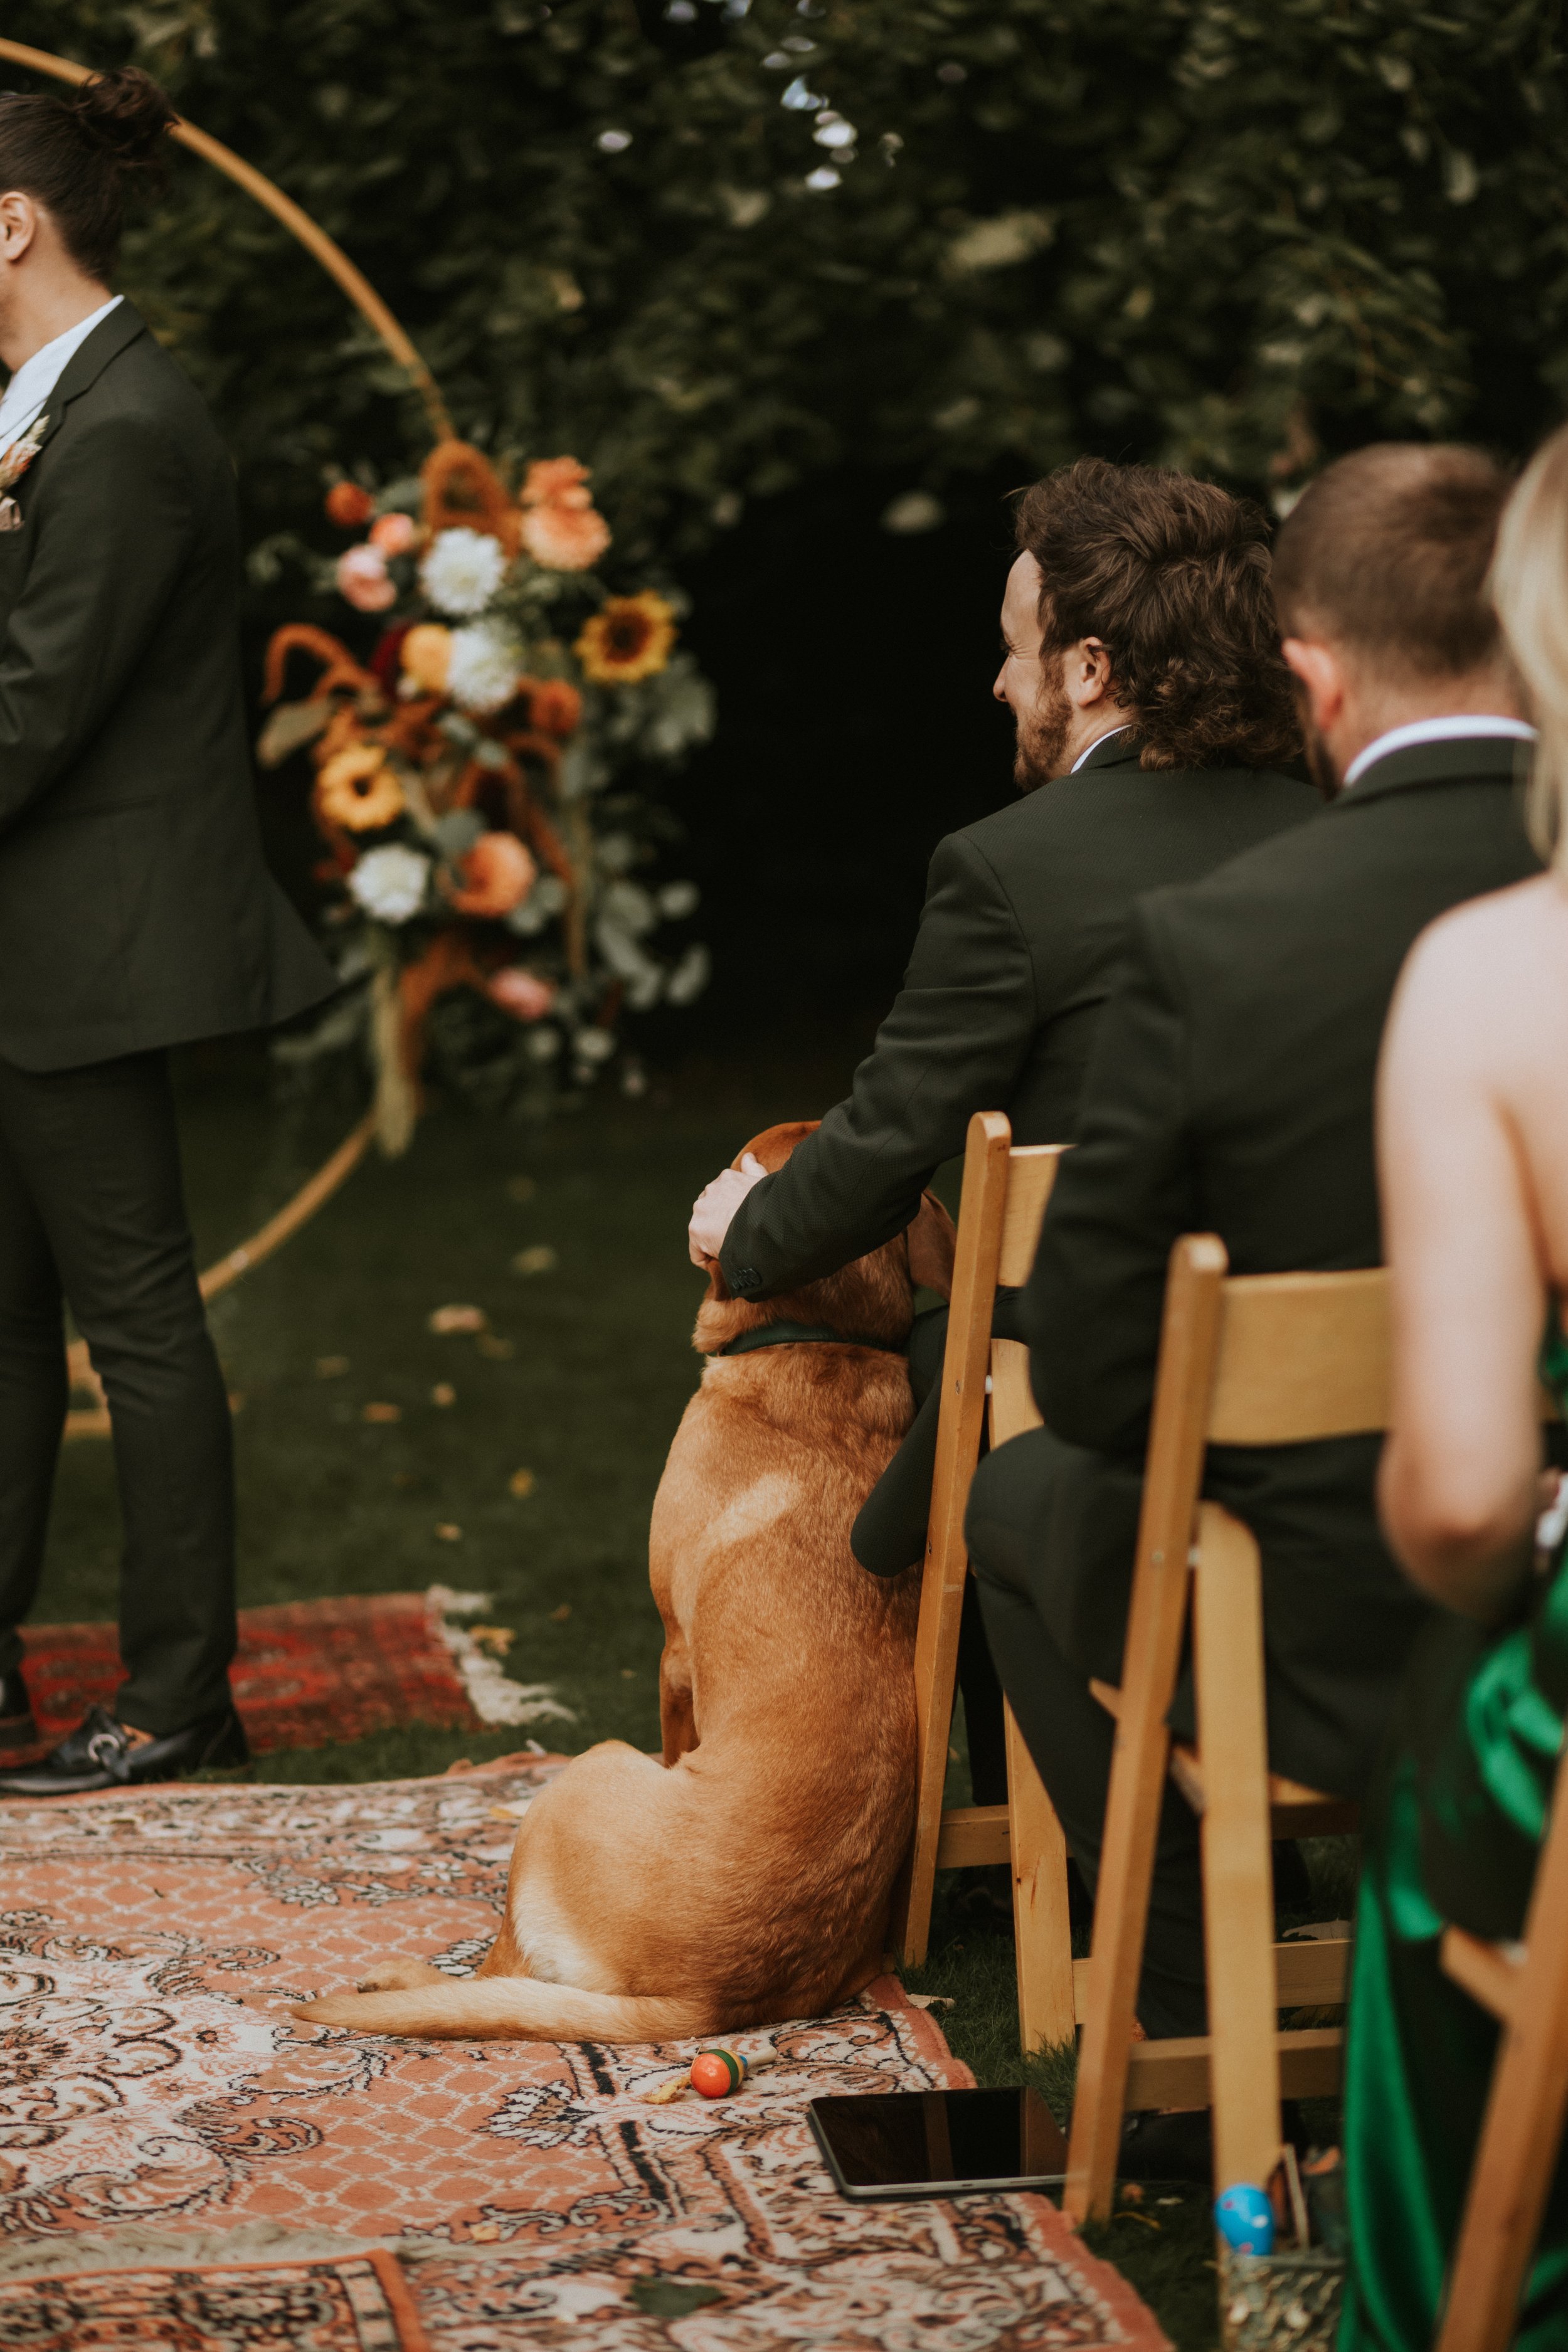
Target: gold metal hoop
316, 241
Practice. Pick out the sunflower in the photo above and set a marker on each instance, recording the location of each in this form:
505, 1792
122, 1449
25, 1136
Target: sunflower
629, 637
357, 790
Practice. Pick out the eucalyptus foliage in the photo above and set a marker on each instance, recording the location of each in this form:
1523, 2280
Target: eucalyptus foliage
709, 245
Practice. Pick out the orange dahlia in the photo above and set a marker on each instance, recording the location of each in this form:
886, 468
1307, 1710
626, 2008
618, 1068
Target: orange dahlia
630, 637
348, 505
554, 707
425, 656
357, 790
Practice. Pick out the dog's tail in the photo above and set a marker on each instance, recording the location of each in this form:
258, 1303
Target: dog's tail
511, 2008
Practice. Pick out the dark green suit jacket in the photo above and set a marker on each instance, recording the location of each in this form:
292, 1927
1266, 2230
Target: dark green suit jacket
1232, 1092
1016, 947
135, 910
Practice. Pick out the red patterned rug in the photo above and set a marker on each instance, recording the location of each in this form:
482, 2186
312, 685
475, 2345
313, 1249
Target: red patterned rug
307, 1672
180, 2165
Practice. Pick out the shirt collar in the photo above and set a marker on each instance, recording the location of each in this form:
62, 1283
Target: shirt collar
1453, 728
36, 377
1109, 736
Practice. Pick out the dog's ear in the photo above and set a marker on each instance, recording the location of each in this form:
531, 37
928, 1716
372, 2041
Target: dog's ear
718, 1288
931, 1240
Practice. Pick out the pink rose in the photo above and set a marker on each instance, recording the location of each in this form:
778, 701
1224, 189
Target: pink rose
555, 481
520, 993
497, 874
393, 534
364, 579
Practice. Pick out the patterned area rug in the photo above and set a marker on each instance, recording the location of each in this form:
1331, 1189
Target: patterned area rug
307, 1672
180, 2166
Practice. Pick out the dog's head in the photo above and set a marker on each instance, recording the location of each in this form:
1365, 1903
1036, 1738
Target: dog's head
872, 1297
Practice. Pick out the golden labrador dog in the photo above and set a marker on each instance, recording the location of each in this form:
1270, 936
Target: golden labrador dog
744, 1878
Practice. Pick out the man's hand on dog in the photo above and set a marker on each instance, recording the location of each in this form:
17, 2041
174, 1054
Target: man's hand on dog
716, 1204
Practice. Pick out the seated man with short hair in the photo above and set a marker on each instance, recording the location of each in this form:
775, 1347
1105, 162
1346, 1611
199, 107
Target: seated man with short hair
1231, 1091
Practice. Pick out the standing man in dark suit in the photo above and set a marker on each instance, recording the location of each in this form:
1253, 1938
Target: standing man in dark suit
135, 913
1142, 669
1232, 1092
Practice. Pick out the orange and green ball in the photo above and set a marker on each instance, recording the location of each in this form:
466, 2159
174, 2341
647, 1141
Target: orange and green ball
716, 2073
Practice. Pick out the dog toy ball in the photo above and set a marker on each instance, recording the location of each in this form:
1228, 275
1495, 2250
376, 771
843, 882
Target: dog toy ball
1244, 2220
716, 2072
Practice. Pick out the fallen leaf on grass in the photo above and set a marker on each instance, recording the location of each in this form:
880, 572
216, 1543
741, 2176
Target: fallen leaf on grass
629, 1673
331, 1368
449, 1532
521, 1189
384, 1412
934, 1999
521, 1484
459, 1318
540, 1259
494, 1640
558, 1616
489, 1344
443, 1393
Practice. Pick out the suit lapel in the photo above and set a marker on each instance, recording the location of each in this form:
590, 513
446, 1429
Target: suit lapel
86, 363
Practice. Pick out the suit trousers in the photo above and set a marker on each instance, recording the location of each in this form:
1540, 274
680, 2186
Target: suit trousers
1067, 1732
93, 1212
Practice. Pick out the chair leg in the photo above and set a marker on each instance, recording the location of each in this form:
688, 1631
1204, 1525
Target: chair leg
1238, 1887
1042, 1924
1521, 2138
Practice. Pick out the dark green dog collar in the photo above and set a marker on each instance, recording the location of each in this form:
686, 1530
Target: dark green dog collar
785, 1335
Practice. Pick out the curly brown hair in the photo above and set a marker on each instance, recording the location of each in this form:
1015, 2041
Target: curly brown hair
1172, 575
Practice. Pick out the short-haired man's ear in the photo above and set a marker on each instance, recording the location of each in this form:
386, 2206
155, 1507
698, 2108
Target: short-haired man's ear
1320, 674
931, 1240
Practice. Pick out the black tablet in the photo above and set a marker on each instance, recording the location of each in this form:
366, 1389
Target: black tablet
939, 2143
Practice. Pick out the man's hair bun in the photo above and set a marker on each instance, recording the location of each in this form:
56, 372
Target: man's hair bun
79, 157
126, 112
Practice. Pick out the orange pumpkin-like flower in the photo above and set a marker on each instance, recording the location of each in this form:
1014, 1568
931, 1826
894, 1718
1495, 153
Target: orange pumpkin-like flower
563, 535
630, 637
348, 505
554, 707
426, 654
357, 790
497, 874
394, 534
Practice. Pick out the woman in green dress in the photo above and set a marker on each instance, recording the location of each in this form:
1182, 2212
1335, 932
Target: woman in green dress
1473, 1140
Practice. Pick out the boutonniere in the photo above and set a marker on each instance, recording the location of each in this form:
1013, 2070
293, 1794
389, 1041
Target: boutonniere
14, 464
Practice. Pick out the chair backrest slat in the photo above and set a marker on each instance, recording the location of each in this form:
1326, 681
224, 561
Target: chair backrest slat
1031, 1173
1302, 1356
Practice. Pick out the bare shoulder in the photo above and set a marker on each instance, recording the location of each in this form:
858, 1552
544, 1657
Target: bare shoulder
1485, 950
1483, 997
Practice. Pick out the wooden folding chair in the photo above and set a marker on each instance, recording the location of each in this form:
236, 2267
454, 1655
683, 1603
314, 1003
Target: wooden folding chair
1525, 1986
1005, 1194
1263, 1360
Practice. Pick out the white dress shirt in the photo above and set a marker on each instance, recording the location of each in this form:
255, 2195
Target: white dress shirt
28, 390
1451, 730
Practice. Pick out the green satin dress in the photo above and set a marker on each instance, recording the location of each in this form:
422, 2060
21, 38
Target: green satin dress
1451, 1838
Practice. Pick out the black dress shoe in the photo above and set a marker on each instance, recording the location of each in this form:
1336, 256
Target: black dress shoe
17, 1728
1180, 2146
101, 1754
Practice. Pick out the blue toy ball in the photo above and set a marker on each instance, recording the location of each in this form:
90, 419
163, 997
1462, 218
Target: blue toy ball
1244, 2220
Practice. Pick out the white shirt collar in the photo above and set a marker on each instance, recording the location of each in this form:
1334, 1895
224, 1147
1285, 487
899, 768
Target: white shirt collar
1124, 730
1451, 730
34, 381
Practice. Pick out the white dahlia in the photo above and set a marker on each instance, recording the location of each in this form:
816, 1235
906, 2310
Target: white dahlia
482, 666
390, 882
462, 570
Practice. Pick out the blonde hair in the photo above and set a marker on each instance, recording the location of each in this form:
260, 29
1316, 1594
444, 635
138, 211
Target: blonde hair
1529, 588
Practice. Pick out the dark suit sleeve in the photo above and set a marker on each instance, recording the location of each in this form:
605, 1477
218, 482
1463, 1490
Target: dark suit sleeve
954, 1043
1093, 1306
113, 523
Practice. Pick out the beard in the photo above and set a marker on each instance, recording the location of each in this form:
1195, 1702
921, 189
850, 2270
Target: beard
1043, 738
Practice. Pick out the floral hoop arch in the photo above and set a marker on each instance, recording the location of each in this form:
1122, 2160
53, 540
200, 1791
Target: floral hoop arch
93, 1421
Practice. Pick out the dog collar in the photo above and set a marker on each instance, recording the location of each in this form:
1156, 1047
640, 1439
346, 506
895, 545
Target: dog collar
784, 1335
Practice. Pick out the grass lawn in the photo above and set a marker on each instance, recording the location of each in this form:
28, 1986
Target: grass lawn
580, 1381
